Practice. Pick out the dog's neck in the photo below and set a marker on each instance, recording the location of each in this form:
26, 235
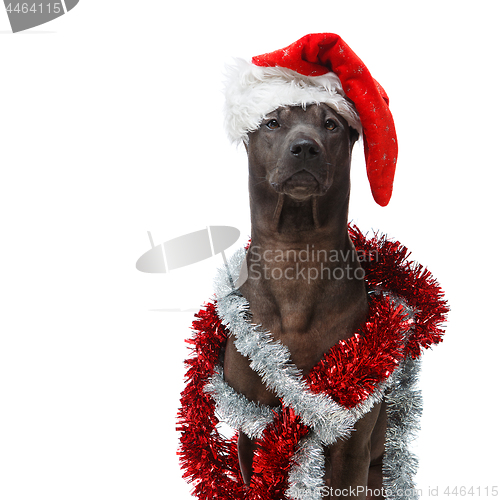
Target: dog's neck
294, 284
281, 225
280, 222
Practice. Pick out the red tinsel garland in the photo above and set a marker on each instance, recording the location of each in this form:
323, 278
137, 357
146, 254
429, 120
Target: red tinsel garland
392, 270
348, 373
352, 369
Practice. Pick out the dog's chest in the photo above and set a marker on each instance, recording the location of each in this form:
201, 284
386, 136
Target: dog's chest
307, 328
309, 323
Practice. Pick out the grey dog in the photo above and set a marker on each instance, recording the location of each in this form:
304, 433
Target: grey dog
299, 182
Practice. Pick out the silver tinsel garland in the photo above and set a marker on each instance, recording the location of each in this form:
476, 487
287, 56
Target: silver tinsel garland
327, 420
235, 409
404, 407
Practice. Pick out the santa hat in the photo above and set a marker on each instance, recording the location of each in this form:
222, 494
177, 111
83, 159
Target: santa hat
318, 68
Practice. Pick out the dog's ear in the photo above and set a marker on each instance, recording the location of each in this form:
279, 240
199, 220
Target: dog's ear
354, 135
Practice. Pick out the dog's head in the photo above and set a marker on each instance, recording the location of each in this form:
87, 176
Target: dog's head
302, 152
317, 68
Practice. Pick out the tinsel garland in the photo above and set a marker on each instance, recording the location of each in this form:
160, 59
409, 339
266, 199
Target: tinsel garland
407, 310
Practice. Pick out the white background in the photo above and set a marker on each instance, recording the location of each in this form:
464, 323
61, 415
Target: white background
111, 126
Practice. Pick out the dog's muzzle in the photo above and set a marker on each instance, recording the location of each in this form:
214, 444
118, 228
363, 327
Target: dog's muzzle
302, 172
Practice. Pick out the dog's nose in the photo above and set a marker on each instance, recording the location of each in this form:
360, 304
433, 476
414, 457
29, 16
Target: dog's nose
305, 149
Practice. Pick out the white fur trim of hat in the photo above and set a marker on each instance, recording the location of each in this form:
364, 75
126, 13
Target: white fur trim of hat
253, 91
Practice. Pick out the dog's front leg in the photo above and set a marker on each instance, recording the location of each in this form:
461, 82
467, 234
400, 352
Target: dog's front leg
246, 449
350, 461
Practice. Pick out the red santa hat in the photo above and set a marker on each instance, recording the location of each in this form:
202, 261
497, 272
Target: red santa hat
318, 68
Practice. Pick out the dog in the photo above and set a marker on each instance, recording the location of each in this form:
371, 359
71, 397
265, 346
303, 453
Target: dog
299, 182
309, 350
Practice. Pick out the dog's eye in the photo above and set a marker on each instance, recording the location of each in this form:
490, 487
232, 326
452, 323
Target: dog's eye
330, 124
272, 124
